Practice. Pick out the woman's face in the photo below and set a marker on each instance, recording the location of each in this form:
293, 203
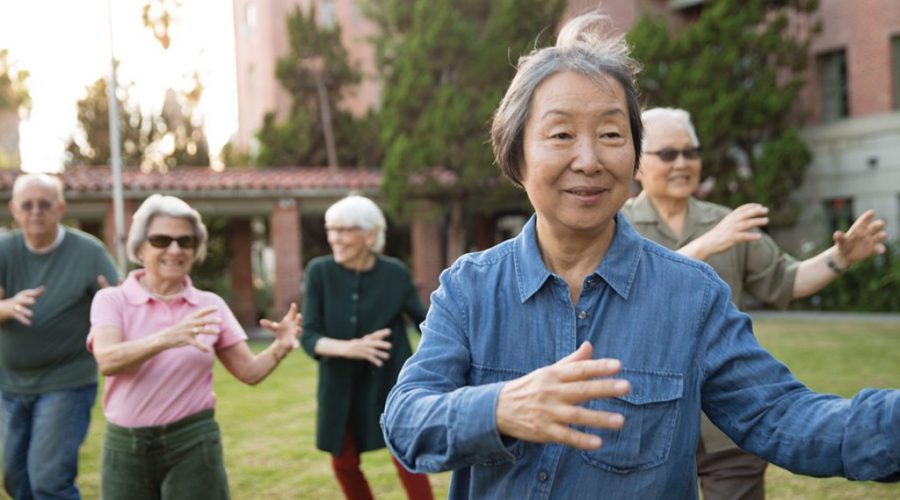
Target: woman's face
171, 262
674, 180
578, 152
350, 244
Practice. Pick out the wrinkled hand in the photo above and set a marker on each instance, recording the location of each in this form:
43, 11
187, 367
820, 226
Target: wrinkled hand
864, 238
185, 332
372, 347
286, 331
19, 305
736, 227
541, 406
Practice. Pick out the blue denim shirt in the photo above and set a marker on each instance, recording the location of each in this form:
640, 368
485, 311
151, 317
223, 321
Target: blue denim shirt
500, 314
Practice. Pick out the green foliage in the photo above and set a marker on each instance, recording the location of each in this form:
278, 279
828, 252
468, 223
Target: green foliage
91, 145
212, 274
445, 65
173, 137
870, 286
738, 70
316, 55
13, 89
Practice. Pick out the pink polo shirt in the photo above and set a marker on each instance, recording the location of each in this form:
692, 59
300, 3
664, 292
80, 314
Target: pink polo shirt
175, 383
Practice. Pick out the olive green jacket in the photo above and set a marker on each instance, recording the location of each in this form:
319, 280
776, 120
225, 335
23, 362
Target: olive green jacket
344, 304
759, 267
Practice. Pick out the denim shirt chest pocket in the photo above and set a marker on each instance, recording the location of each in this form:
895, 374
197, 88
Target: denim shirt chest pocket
650, 410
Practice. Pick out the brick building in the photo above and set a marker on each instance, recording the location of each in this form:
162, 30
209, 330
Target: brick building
852, 97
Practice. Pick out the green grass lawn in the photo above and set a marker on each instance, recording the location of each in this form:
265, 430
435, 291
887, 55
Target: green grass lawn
268, 430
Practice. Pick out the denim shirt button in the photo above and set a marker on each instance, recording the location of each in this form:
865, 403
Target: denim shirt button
543, 476
355, 296
582, 314
353, 319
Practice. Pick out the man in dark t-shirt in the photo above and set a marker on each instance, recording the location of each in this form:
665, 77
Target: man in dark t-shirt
48, 274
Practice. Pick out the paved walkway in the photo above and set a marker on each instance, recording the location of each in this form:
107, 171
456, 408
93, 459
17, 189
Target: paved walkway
827, 316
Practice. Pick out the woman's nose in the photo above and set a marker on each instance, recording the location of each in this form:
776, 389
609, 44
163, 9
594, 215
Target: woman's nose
586, 158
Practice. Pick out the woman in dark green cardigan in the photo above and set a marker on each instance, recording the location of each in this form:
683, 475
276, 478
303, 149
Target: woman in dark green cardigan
353, 325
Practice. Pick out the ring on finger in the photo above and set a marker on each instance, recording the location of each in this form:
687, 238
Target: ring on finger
18, 308
196, 330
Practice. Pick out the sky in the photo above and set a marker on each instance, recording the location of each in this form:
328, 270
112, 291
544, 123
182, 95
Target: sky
65, 46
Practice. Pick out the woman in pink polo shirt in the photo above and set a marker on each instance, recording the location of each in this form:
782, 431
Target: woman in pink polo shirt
155, 338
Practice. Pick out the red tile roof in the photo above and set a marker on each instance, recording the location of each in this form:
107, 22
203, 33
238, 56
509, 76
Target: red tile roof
97, 180
94, 179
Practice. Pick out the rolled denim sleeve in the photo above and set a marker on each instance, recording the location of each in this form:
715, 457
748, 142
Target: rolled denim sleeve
433, 421
757, 401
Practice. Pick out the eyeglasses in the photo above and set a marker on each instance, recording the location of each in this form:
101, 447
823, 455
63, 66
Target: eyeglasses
37, 206
163, 241
669, 154
342, 229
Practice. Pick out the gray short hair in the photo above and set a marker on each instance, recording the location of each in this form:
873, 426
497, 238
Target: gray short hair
678, 116
581, 47
158, 205
49, 181
359, 211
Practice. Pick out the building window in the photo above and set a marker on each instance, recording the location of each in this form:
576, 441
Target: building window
895, 52
326, 16
832, 68
839, 214
250, 18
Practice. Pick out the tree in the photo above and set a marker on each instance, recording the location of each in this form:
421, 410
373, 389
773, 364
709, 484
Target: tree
90, 144
445, 65
182, 139
14, 100
316, 74
151, 141
738, 70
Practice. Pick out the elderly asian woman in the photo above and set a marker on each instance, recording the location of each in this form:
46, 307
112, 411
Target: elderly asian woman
353, 319
746, 258
573, 360
155, 338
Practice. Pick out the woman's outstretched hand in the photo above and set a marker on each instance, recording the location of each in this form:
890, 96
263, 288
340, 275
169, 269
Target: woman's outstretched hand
541, 406
288, 330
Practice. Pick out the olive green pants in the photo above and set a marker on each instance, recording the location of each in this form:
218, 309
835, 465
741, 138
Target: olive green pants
182, 460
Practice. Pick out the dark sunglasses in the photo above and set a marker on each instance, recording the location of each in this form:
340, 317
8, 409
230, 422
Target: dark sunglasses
163, 241
669, 154
40, 205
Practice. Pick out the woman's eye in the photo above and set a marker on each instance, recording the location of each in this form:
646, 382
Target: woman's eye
561, 135
610, 135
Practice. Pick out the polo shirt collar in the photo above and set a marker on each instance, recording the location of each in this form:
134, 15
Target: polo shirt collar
138, 295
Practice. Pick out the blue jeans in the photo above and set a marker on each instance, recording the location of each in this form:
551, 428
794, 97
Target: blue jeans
41, 435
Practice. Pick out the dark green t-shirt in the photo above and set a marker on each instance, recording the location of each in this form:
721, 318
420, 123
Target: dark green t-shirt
50, 354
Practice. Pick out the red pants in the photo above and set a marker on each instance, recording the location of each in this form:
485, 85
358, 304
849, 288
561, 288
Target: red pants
353, 481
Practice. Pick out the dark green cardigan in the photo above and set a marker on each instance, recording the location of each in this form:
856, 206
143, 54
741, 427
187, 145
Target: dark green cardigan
345, 304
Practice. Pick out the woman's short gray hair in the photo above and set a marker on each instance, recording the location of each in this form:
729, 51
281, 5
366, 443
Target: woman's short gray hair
158, 205
581, 47
678, 116
359, 211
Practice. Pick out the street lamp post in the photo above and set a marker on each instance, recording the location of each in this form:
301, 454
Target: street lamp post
115, 153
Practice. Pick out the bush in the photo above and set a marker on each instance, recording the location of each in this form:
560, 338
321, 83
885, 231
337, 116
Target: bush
870, 286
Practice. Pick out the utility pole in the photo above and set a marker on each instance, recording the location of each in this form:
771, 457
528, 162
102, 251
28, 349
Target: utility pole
115, 144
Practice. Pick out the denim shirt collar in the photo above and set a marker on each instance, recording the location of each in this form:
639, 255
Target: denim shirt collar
618, 267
